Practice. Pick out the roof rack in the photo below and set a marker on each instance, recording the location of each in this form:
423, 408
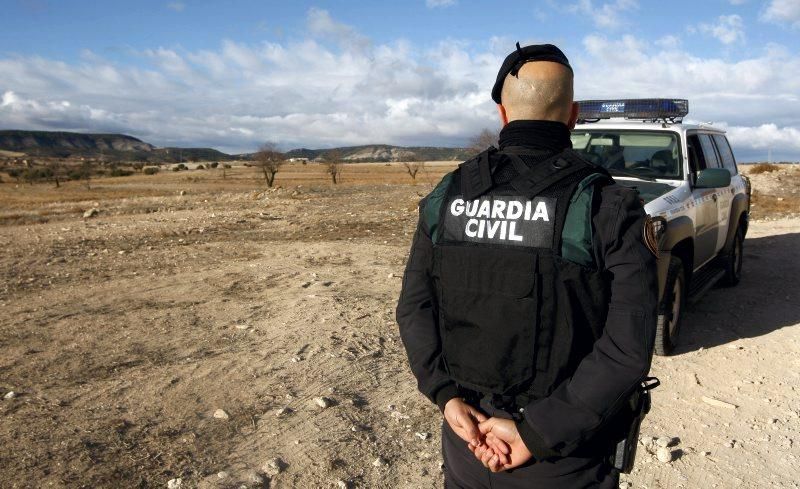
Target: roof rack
667, 110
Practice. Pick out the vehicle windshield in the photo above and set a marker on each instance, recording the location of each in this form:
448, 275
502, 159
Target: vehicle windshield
640, 154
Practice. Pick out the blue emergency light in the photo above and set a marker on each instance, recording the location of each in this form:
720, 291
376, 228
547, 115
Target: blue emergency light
667, 109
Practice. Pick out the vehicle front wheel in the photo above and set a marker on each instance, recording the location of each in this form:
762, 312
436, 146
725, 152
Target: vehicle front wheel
670, 310
733, 262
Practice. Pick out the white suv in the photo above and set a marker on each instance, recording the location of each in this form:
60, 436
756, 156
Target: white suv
687, 178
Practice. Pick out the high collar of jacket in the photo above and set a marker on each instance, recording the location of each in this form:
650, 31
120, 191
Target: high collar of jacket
545, 135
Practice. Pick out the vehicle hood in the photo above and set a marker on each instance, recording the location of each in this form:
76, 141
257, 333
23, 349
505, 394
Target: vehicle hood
649, 191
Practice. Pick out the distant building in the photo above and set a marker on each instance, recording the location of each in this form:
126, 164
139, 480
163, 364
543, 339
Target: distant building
298, 160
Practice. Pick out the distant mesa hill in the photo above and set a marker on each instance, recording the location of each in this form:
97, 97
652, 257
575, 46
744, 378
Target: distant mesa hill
59, 142
108, 146
127, 148
383, 152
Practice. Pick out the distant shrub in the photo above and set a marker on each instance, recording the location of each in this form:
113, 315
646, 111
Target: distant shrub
31, 175
175, 168
119, 172
151, 170
226, 165
201, 167
764, 168
181, 167
213, 164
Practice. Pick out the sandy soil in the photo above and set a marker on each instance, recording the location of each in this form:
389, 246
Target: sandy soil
122, 334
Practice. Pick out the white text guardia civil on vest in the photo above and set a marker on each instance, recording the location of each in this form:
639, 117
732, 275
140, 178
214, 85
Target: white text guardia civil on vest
497, 218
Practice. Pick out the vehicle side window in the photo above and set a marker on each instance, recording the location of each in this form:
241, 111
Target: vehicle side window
696, 161
709, 153
725, 153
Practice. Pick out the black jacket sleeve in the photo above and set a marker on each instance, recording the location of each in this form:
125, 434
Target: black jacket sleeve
417, 318
621, 357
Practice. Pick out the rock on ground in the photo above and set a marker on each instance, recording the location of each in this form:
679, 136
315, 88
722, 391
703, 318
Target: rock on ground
273, 466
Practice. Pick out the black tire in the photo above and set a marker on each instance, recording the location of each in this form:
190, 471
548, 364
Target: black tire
670, 310
733, 262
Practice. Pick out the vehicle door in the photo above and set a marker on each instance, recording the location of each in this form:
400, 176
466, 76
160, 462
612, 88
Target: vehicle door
706, 223
725, 195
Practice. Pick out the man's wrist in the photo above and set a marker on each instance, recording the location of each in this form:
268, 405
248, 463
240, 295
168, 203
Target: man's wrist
444, 395
533, 441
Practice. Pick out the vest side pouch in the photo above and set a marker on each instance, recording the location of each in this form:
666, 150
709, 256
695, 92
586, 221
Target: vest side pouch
489, 304
579, 298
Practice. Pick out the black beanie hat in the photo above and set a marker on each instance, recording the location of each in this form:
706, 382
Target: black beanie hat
515, 60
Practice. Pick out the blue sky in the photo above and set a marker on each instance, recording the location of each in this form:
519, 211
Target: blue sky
318, 74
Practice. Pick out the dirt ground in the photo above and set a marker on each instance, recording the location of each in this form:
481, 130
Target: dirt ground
122, 335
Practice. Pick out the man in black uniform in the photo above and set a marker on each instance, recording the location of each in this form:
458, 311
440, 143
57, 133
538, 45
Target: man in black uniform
528, 306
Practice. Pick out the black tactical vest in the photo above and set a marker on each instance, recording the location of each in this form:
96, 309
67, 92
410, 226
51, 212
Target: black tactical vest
515, 317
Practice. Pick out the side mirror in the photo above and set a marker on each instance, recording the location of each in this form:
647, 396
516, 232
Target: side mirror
713, 178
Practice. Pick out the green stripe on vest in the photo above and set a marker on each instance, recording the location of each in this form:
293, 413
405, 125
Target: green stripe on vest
576, 237
433, 205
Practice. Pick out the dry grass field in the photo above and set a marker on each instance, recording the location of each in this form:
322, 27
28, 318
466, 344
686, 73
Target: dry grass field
186, 330
42, 202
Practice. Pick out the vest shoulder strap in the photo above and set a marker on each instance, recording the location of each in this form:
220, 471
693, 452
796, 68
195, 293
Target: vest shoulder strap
532, 180
476, 174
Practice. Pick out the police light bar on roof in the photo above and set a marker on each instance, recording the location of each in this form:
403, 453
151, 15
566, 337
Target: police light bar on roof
643, 108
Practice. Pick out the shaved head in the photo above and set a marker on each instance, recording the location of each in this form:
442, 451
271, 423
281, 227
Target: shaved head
542, 90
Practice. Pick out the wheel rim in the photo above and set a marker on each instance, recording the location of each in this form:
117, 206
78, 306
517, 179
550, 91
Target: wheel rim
677, 297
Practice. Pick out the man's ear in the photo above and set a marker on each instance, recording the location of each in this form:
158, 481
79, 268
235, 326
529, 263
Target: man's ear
573, 116
503, 116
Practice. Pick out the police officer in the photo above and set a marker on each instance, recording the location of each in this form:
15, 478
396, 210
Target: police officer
528, 305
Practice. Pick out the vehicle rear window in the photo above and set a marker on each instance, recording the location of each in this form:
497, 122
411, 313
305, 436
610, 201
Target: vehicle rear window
654, 154
725, 153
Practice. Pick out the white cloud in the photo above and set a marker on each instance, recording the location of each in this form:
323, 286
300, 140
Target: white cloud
439, 3
737, 2
728, 29
605, 15
58, 114
669, 42
783, 12
169, 61
314, 93
305, 92
320, 23
766, 136
176, 6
